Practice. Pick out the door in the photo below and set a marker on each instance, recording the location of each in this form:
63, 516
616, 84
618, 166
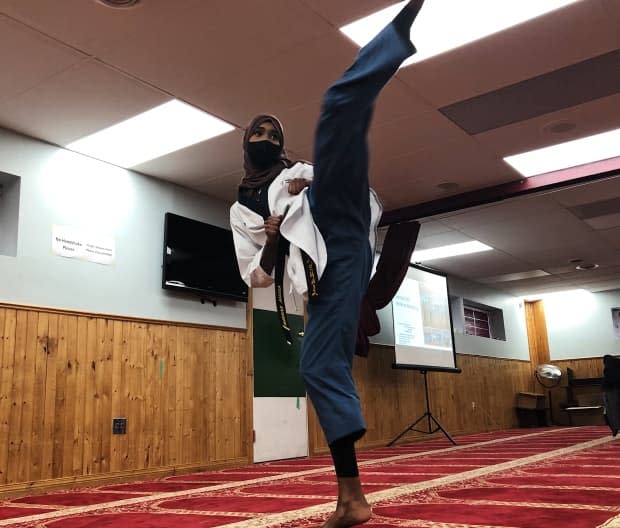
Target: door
279, 404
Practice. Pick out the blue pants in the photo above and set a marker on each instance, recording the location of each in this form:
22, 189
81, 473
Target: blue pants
339, 200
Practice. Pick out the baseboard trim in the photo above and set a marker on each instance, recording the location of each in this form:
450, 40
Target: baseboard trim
87, 481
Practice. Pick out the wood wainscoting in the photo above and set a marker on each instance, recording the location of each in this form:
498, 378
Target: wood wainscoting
480, 398
184, 389
186, 392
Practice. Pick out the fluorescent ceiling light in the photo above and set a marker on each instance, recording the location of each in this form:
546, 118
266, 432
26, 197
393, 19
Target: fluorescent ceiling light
171, 126
530, 297
522, 275
451, 250
569, 154
443, 25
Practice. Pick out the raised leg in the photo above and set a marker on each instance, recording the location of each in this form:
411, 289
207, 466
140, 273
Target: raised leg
339, 200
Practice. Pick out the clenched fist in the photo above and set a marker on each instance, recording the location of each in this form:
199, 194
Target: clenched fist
296, 185
272, 228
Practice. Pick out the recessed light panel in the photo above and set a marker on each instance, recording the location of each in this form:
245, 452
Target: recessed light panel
568, 154
451, 250
509, 277
171, 126
443, 25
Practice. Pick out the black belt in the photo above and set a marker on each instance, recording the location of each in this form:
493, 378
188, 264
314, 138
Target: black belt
312, 281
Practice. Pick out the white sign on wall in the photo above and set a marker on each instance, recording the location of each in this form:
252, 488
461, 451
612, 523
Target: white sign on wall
81, 244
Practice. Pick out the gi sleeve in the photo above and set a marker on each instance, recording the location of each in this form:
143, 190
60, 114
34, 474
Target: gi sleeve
249, 242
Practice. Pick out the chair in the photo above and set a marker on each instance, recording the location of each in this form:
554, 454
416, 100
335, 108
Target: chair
584, 400
531, 409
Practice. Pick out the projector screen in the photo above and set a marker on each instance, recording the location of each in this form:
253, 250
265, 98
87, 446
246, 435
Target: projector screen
422, 322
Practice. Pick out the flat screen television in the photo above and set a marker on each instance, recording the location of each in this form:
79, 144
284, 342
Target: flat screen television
200, 258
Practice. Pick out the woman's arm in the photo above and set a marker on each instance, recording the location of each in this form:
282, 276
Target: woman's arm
250, 248
272, 232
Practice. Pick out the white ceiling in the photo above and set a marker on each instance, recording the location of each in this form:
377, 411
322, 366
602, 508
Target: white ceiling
72, 67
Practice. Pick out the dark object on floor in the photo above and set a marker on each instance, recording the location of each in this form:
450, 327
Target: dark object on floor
584, 404
611, 392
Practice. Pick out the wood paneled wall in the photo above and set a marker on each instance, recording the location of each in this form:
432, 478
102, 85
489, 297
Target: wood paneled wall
584, 368
185, 391
480, 398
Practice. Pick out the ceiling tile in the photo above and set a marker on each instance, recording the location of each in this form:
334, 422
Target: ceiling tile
430, 228
288, 80
398, 101
565, 35
612, 8
589, 118
604, 286
396, 104
588, 192
551, 231
477, 265
413, 178
195, 165
215, 46
550, 257
343, 12
223, 188
510, 211
441, 239
78, 102
611, 271
572, 85
612, 235
38, 59
604, 221
198, 42
73, 23
299, 126
535, 286
406, 135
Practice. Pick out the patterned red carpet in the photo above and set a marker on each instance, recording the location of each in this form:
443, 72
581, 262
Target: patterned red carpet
533, 478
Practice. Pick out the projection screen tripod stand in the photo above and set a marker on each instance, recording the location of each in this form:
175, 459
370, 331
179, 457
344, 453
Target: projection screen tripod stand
432, 422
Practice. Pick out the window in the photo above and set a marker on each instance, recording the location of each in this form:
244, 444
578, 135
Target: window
482, 320
477, 322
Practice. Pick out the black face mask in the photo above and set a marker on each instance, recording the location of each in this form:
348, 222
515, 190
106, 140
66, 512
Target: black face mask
264, 153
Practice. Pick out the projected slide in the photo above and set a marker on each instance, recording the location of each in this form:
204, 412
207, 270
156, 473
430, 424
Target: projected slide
407, 310
421, 321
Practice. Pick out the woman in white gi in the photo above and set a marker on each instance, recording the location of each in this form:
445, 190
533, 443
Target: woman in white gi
328, 214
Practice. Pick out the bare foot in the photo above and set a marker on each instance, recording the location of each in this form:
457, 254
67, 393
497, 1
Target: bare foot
349, 514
